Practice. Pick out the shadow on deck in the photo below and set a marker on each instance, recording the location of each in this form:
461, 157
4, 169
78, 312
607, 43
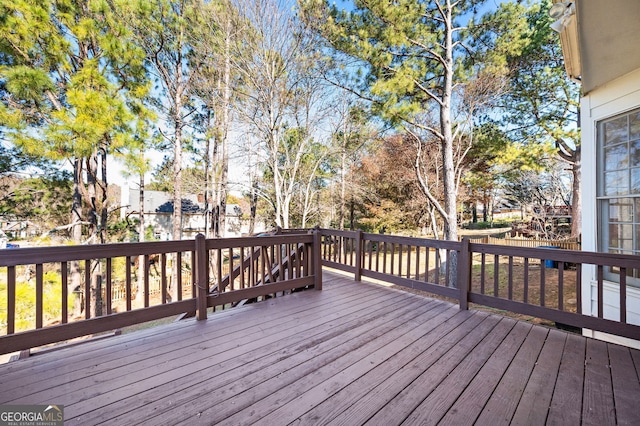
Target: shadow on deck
351, 354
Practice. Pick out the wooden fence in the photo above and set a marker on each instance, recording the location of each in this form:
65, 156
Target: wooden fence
526, 242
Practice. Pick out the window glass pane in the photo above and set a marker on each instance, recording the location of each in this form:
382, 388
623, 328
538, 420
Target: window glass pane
621, 210
635, 153
635, 181
616, 157
615, 131
616, 183
620, 236
634, 126
613, 238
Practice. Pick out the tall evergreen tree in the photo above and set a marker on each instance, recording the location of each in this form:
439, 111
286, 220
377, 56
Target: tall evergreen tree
542, 105
164, 29
416, 61
71, 82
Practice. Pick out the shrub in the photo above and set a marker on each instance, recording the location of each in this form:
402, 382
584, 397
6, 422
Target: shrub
26, 303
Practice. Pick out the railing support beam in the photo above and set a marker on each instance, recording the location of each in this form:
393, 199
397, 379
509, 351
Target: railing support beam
202, 285
317, 259
464, 273
359, 254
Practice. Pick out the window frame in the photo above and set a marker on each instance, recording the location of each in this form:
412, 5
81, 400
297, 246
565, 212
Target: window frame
625, 191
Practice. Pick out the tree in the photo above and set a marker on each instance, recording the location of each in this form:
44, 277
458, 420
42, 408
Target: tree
42, 200
350, 137
281, 97
542, 105
219, 43
71, 83
391, 199
413, 52
164, 29
481, 177
68, 89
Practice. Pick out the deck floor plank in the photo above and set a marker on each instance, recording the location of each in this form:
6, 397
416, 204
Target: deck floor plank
247, 374
536, 398
152, 346
169, 353
282, 404
625, 388
438, 402
362, 389
352, 354
635, 356
504, 401
377, 398
273, 340
469, 405
566, 403
402, 404
598, 405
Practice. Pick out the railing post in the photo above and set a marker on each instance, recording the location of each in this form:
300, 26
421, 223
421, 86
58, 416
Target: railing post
202, 286
464, 273
359, 252
317, 259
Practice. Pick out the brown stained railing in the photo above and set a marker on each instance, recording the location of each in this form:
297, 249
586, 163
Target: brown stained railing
225, 272
272, 265
411, 262
241, 269
549, 285
84, 280
540, 282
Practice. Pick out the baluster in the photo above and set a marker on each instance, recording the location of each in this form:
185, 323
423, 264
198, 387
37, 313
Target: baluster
163, 277
108, 290
561, 286
11, 299
65, 292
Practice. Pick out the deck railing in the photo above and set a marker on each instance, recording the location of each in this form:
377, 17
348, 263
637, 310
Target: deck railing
67, 292
540, 282
54, 294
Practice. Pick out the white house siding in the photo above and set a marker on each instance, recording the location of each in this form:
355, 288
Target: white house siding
616, 97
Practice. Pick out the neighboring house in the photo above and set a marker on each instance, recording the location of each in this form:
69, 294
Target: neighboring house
18, 229
158, 212
601, 47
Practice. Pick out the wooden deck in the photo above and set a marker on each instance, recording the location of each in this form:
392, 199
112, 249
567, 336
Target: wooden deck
351, 354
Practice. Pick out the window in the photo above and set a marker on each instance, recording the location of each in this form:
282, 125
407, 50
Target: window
619, 189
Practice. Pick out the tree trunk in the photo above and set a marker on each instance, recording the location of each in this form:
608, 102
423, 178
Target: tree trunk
96, 278
253, 205
104, 207
92, 175
448, 168
141, 237
208, 160
576, 202
226, 101
352, 215
75, 284
343, 185
177, 194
